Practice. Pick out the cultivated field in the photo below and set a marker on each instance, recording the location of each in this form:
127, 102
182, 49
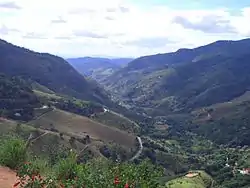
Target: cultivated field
118, 121
76, 125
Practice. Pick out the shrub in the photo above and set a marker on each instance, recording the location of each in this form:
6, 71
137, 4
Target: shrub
67, 168
29, 176
12, 152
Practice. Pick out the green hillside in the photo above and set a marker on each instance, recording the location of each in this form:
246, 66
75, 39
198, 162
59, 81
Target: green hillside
48, 70
185, 79
172, 86
17, 100
197, 179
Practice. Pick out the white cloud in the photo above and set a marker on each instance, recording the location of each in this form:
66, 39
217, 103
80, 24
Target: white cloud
114, 27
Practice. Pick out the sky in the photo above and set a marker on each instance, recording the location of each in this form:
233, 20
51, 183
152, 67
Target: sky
121, 28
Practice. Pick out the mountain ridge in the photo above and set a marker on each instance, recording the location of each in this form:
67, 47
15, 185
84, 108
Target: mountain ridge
146, 77
48, 70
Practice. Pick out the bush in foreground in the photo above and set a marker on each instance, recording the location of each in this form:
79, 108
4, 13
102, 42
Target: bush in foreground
12, 152
97, 173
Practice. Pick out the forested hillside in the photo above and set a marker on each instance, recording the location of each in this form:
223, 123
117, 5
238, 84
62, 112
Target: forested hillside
173, 85
184, 79
48, 70
17, 100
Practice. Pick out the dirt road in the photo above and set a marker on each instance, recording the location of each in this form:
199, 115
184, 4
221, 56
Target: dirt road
7, 177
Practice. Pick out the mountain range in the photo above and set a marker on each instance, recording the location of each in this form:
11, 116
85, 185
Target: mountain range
187, 83
185, 79
189, 108
98, 68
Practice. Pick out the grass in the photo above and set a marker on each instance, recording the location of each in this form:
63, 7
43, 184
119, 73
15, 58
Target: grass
38, 87
113, 120
48, 145
12, 152
203, 180
79, 126
46, 95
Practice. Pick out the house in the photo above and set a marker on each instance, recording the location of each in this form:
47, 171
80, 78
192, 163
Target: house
45, 107
17, 114
245, 171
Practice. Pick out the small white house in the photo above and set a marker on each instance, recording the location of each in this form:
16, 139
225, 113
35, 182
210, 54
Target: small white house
17, 114
45, 107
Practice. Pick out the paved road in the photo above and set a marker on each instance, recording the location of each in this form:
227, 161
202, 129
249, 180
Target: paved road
140, 149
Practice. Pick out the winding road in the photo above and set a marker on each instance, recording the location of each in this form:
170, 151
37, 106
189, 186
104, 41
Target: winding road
139, 151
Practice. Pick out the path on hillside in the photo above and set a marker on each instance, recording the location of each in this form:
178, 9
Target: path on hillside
43, 114
140, 149
7, 177
45, 133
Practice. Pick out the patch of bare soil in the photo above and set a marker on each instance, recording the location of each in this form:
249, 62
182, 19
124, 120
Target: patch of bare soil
7, 177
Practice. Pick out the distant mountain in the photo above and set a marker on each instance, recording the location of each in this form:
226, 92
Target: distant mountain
185, 79
48, 70
98, 68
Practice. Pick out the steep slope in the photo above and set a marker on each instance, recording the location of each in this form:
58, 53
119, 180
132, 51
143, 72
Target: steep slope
226, 123
79, 126
185, 79
98, 68
48, 70
16, 97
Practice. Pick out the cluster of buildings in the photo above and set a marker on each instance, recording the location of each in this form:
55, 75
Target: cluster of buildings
244, 171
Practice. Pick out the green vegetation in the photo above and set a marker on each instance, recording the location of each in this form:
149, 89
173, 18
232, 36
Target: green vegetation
12, 152
197, 179
49, 71
190, 108
176, 84
67, 171
228, 123
17, 100
78, 107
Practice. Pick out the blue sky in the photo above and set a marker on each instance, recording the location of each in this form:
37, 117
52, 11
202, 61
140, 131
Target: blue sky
195, 4
121, 28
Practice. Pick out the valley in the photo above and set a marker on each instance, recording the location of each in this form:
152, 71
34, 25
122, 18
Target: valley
184, 112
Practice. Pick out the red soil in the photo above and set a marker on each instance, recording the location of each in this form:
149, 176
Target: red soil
7, 177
